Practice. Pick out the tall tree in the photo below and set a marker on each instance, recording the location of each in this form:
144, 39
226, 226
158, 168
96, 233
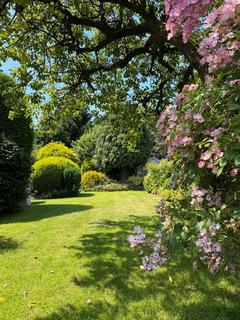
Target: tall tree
73, 47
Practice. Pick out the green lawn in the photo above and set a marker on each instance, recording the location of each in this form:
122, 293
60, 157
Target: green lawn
58, 254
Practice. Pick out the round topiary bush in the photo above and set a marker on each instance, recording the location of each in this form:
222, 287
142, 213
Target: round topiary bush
56, 149
53, 175
91, 179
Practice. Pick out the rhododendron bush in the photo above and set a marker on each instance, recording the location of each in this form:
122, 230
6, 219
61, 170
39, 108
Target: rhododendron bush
200, 133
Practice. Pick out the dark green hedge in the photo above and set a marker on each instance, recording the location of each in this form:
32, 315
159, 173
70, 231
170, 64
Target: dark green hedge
16, 139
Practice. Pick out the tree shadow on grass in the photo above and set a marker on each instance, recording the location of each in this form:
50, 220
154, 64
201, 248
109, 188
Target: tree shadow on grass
43, 211
7, 244
112, 265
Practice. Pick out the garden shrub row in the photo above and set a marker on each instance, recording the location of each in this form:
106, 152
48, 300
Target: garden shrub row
112, 187
56, 173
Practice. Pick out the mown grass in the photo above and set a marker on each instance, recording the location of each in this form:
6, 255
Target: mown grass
68, 259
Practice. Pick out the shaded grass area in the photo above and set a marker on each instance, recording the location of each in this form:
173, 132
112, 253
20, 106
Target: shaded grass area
69, 259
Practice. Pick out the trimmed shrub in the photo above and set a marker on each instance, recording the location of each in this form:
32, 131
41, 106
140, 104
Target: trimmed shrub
91, 179
159, 176
135, 182
112, 187
71, 177
56, 149
48, 176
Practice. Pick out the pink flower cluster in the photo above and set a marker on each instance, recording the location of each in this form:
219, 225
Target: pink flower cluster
214, 133
178, 141
210, 248
184, 14
219, 48
162, 208
182, 97
234, 172
155, 260
168, 119
202, 196
234, 82
209, 157
159, 253
196, 117
137, 238
166, 123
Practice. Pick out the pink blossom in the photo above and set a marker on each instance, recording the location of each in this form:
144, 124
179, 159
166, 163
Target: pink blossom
234, 172
201, 164
198, 118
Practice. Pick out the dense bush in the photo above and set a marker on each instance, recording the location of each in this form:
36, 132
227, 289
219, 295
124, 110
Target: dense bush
114, 149
85, 166
112, 187
135, 182
122, 149
14, 172
91, 179
16, 138
71, 178
85, 146
158, 176
200, 133
55, 174
56, 149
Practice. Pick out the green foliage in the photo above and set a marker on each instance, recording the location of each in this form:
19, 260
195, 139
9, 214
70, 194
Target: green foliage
56, 149
112, 187
85, 166
91, 179
32, 40
121, 147
158, 176
50, 176
108, 147
65, 129
14, 172
71, 178
135, 181
16, 138
85, 146
173, 195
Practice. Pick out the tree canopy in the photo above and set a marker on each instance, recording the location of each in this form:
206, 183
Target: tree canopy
89, 48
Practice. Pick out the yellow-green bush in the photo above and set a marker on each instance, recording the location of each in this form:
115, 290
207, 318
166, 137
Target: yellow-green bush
91, 179
158, 176
172, 195
56, 149
50, 176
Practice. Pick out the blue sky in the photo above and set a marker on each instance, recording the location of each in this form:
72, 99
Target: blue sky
7, 66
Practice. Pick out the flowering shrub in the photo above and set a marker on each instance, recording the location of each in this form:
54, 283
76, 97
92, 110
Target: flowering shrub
200, 134
184, 15
158, 253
